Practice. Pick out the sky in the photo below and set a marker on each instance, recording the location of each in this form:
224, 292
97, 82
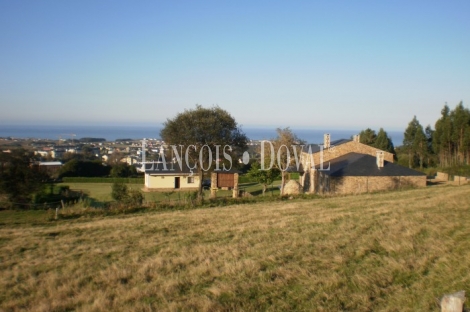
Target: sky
299, 64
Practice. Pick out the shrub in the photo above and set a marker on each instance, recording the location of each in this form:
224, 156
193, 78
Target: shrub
119, 192
123, 195
135, 198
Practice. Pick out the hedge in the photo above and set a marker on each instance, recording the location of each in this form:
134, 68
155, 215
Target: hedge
247, 179
103, 180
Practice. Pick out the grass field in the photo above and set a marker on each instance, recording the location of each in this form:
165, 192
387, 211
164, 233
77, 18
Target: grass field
397, 251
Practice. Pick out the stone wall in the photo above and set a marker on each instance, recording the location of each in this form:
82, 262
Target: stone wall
356, 185
460, 179
442, 176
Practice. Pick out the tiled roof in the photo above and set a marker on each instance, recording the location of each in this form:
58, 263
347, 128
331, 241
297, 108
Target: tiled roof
355, 164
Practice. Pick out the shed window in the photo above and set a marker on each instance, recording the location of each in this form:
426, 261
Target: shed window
190, 180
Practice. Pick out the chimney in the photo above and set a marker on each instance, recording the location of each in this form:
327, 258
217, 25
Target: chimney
326, 140
380, 159
357, 138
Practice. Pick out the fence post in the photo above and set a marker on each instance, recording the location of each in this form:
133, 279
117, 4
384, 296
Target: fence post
56, 213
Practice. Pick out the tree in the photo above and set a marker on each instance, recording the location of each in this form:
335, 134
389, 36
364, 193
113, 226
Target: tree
285, 144
87, 153
460, 118
367, 136
212, 128
442, 143
451, 139
263, 177
83, 168
384, 142
415, 142
420, 145
115, 157
19, 180
381, 140
429, 139
122, 170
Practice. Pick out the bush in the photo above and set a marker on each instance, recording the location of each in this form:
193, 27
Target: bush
123, 195
122, 170
135, 198
119, 192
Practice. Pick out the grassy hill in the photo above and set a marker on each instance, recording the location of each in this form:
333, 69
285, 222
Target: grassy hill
397, 251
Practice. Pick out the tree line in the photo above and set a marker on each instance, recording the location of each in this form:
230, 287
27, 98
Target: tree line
448, 145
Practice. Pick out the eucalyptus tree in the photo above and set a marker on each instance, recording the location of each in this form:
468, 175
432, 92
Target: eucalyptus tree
415, 143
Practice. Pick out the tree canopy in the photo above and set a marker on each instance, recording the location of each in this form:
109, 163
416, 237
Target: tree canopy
212, 128
451, 138
415, 143
381, 140
286, 145
84, 168
19, 180
447, 146
122, 170
263, 177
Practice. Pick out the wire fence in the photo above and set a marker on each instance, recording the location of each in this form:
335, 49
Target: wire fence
30, 206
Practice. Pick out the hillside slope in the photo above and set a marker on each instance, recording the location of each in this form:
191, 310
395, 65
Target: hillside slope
397, 251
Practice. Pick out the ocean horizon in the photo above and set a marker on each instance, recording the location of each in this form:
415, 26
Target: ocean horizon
114, 132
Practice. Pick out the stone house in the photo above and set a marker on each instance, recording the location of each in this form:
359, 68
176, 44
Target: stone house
348, 166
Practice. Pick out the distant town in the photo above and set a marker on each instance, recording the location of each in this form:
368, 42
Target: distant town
56, 152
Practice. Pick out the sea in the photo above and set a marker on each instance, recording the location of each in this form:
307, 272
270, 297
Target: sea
115, 132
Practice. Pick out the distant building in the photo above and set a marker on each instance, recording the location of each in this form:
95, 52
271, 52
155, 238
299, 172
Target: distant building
42, 153
171, 179
50, 167
57, 153
130, 160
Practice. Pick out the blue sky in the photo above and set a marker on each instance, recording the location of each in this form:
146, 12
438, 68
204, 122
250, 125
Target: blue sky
303, 64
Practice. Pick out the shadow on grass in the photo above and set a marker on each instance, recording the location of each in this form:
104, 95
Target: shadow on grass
434, 183
270, 191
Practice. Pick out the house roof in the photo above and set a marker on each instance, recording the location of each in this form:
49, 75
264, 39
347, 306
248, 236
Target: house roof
157, 168
50, 163
316, 147
355, 164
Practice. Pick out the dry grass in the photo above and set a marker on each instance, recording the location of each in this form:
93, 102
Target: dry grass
395, 251
101, 192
